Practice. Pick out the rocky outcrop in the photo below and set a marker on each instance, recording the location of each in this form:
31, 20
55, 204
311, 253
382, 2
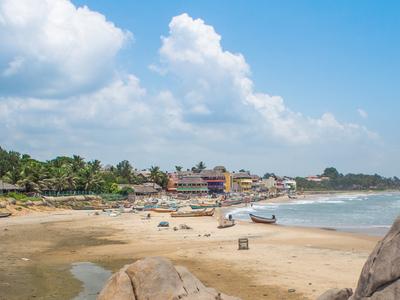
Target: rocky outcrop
336, 294
157, 279
380, 276
381, 273
119, 286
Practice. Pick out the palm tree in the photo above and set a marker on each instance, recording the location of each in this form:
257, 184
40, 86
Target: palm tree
178, 168
199, 167
155, 173
77, 163
89, 179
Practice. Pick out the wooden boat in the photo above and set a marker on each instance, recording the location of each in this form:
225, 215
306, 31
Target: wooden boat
163, 210
202, 206
258, 219
5, 214
202, 213
231, 202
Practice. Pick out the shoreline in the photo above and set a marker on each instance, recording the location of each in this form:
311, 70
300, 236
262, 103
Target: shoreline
296, 256
371, 230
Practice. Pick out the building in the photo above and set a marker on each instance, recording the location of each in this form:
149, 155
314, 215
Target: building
192, 184
228, 182
215, 181
8, 188
242, 181
172, 182
289, 184
316, 178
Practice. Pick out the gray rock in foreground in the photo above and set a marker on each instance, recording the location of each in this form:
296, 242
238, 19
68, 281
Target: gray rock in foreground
380, 276
157, 279
336, 294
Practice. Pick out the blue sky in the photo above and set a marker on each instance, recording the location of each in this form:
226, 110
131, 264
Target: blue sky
284, 86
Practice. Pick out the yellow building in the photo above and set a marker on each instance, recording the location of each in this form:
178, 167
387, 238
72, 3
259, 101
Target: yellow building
228, 182
243, 181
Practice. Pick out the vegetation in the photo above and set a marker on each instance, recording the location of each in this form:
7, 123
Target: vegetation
64, 174
336, 181
199, 167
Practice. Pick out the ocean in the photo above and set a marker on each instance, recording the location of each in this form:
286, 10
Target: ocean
371, 214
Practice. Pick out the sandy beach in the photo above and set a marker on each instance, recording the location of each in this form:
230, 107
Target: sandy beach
38, 249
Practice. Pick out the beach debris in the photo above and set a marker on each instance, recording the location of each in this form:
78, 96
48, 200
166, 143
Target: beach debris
291, 290
175, 228
243, 244
163, 224
157, 278
25, 259
184, 226
207, 234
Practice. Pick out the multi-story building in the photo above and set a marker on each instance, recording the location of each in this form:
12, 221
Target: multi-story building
215, 181
243, 181
192, 184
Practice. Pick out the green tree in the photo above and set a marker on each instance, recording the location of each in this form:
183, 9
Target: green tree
178, 168
331, 173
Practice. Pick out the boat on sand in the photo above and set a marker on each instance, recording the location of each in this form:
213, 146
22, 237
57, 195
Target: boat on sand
197, 213
202, 206
164, 210
258, 219
5, 214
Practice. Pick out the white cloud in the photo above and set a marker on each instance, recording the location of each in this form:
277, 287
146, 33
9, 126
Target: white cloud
52, 48
221, 82
362, 113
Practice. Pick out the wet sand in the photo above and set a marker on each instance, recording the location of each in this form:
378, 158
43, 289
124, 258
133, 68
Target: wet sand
280, 258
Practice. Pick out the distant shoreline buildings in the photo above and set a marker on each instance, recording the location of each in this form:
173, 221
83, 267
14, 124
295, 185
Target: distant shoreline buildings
219, 181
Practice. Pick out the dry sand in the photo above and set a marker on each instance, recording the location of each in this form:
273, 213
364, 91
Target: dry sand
280, 258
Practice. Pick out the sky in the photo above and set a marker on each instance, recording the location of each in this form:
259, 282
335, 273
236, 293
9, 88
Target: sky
289, 87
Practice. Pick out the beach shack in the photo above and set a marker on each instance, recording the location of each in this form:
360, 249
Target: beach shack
8, 188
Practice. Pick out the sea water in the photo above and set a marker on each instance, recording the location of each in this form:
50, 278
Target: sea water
372, 214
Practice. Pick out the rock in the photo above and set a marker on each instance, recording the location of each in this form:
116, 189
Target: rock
11, 201
118, 287
381, 273
336, 294
29, 203
380, 276
3, 204
157, 279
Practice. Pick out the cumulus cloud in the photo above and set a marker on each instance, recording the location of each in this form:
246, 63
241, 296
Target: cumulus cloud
221, 82
51, 48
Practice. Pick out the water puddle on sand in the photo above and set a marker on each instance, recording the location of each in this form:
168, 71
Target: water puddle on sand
93, 278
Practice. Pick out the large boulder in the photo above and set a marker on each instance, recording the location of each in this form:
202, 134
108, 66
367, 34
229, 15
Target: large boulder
380, 276
156, 278
118, 287
336, 294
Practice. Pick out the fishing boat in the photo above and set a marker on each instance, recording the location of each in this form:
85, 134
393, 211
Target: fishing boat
163, 210
258, 219
202, 206
197, 213
231, 202
5, 214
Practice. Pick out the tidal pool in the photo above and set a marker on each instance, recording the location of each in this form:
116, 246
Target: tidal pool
93, 278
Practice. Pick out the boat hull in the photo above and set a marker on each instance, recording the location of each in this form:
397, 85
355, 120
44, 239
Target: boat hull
257, 219
203, 213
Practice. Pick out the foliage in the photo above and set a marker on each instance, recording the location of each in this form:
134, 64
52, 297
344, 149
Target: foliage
199, 167
338, 181
65, 174
22, 197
